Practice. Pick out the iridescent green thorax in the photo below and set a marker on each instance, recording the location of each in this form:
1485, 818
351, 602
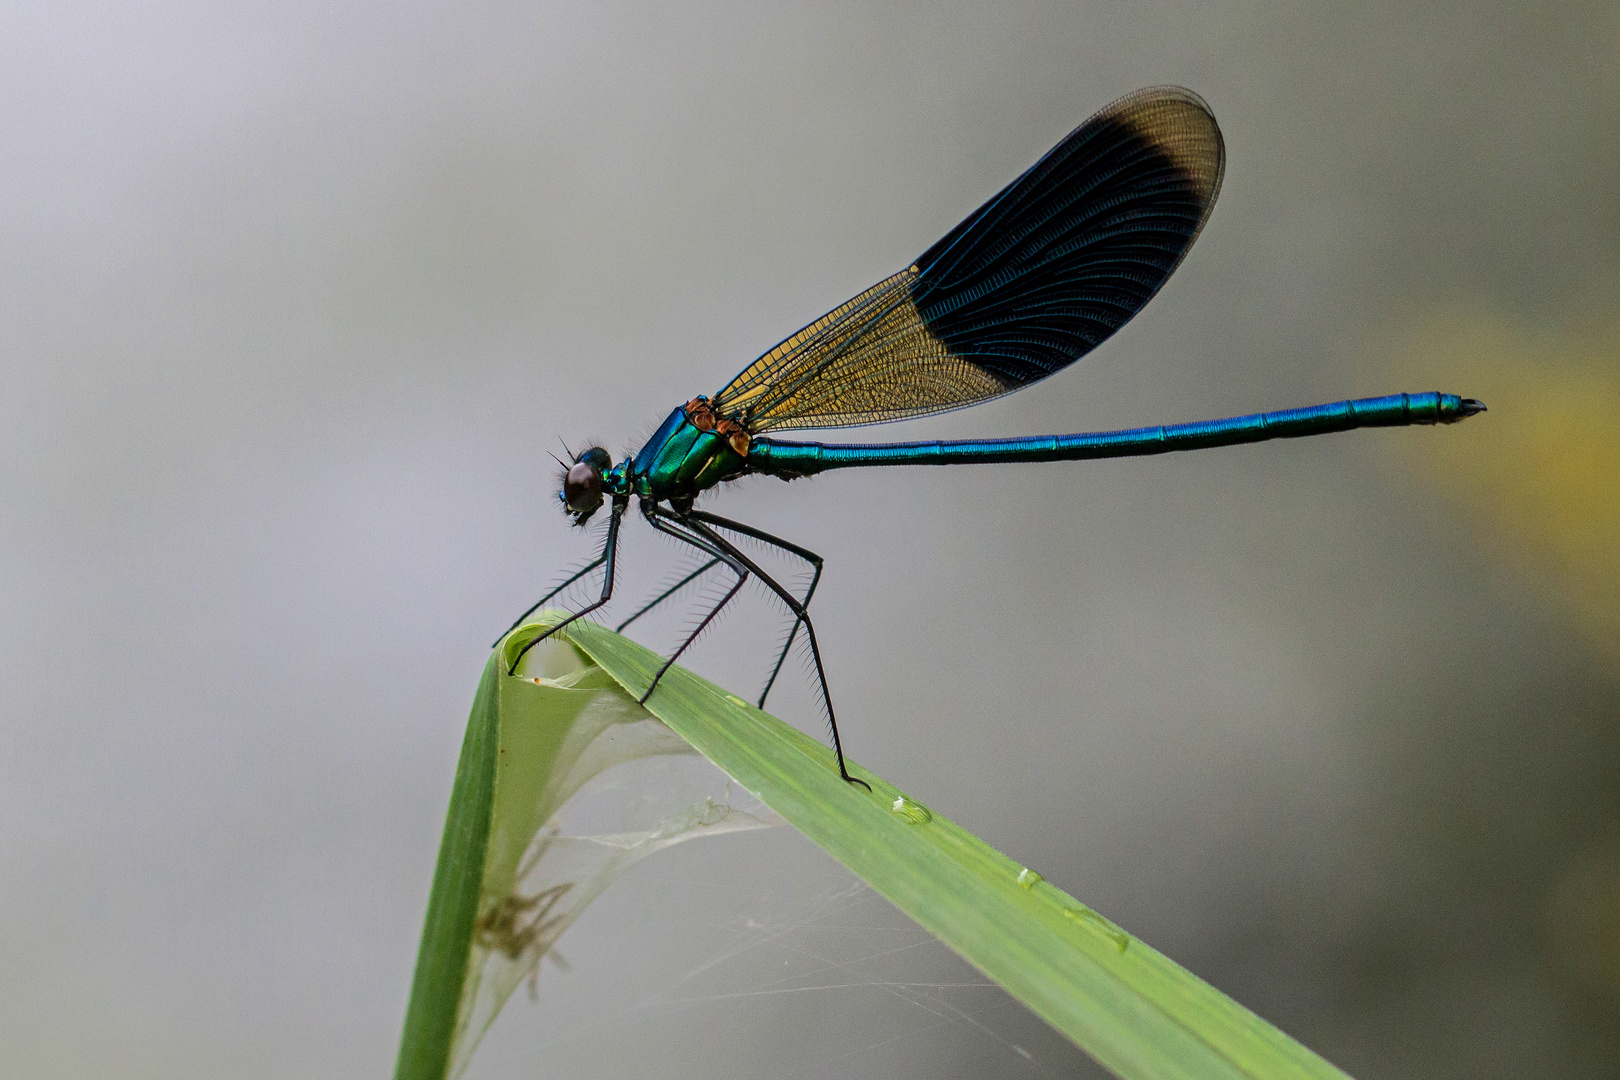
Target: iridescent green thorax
616, 481
679, 462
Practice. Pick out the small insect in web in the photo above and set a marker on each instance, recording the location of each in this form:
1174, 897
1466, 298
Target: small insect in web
513, 924
1036, 278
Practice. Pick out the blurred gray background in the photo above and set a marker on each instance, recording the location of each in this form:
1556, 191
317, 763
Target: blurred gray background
295, 299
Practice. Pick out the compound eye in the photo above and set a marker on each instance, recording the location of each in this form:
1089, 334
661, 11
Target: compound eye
582, 488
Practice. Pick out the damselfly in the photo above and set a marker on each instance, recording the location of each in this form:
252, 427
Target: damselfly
1034, 279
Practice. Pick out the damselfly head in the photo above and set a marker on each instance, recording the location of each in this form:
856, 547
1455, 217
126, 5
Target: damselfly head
581, 492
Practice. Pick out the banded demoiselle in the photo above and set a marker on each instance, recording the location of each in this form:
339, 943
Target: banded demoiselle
1030, 282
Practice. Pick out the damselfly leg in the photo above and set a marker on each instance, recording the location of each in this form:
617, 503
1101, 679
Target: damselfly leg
609, 553
540, 603
792, 549
670, 525
669, 592
726, 547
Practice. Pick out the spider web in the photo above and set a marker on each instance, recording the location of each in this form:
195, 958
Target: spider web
759, 956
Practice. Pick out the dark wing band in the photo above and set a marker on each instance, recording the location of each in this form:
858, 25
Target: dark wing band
1036, 278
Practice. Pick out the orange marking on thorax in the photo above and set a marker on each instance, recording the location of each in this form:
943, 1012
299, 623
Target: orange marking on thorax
702, 416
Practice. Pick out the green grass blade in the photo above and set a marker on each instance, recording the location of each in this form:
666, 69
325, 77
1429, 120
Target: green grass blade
1136, 1011
508, 881
447, 932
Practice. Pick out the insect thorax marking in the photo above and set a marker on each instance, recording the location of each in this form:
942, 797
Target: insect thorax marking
704, 418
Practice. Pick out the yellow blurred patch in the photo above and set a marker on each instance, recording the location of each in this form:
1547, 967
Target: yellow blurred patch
1541, 470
